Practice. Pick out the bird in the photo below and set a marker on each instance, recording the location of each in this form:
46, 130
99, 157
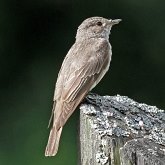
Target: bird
84, 66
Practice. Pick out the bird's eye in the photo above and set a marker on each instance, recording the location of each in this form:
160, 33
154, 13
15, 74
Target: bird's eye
99, 23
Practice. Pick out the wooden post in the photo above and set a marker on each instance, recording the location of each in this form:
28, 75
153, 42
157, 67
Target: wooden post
116, 130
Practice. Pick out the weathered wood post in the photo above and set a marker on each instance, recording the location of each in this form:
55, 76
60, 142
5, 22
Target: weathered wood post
115, 130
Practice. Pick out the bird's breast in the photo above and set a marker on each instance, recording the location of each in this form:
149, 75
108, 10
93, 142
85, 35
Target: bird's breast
104, 68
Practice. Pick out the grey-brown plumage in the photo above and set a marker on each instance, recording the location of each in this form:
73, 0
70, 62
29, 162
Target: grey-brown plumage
83, 67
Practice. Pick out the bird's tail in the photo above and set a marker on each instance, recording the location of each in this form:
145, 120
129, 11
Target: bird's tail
53, 141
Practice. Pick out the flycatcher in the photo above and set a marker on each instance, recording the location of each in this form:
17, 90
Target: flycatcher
82, 69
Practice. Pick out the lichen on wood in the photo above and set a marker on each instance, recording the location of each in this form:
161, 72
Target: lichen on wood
116, 130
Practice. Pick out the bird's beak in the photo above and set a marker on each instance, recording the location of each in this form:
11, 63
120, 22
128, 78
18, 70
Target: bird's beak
115, 21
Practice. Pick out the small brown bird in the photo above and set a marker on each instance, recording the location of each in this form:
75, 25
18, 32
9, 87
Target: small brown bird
83, 67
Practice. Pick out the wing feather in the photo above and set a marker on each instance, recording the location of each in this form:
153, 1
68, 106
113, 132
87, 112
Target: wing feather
77, 75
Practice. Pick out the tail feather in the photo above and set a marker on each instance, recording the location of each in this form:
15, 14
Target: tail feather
53, 141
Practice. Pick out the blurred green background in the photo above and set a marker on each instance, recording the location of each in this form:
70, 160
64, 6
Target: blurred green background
34, 38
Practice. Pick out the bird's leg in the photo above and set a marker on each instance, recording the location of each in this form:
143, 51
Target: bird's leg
93, 99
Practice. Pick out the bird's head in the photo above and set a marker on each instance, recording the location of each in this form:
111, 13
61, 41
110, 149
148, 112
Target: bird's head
95, 27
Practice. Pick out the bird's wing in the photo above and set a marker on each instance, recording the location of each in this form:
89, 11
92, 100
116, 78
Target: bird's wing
78, 74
